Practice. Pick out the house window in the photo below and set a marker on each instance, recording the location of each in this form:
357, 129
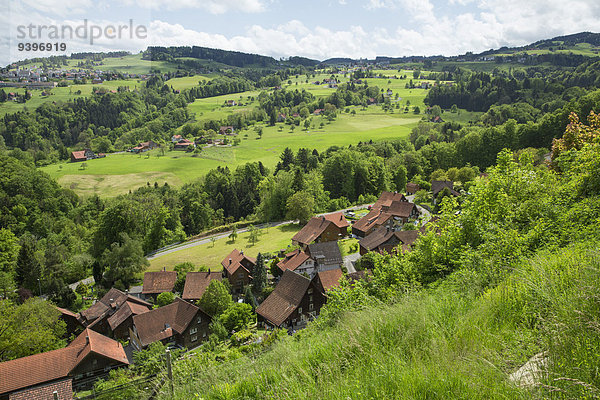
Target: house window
299, 310
194, 338
311, 307
310, 298
193, 330
199, 320
204, 334
310, 291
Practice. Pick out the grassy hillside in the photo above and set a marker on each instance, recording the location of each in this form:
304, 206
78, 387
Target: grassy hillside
429, 345
210, 255
117, 173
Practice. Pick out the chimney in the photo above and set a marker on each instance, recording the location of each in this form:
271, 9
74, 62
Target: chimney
87, 340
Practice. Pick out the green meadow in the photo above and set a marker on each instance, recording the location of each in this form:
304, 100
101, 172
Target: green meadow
62, 94
211, 254
118, 173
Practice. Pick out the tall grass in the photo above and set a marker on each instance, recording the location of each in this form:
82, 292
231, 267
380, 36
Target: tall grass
436, 344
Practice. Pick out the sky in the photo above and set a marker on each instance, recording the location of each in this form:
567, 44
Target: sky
282, 28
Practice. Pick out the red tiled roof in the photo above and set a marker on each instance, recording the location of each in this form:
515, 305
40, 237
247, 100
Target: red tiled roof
56, 364
317, 225
110, 301
237, 259
286, 297
293, 260
67, 313
400, 209
386, 199
375, 217
338, 219
159, 282
78, 155
197, 282
125, 311
382, 235
163, 322
330, 278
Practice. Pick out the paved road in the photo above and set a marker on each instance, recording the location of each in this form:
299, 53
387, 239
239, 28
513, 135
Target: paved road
349, 262
207, 239
196, 242
87, 281
426, 214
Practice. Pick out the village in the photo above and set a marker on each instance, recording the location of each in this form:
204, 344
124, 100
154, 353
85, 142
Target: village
121, 323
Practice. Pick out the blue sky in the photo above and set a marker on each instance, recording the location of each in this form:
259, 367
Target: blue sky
310, 28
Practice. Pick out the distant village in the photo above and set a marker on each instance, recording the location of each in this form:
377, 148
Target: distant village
120, 323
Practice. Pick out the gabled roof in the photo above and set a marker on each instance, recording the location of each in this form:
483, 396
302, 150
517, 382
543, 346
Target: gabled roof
293, 260
95, 311
386, 199
66, 313
317, 225
338, 219
57, 364
375, 217
112, 300
325, 253
163, 322
401, 209
383, 235
286, 297
125, 311
237, 259
78, 154
159, 282
197, 282
412, 187
331, 278
438, 186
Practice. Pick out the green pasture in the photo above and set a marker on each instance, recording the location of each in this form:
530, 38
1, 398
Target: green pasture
211, 254
61, 94
187, 82
177, 168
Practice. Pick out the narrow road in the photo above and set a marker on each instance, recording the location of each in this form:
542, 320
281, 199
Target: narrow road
196, 242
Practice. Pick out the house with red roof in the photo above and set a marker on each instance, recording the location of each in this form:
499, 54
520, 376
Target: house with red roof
293, 303
391, 210
145, 146
298, 261
325, 228
157, 282
386, 240
82, 155
327, 280
196, 284
180, 322
76, 367
237, 268
111, 315
183, 145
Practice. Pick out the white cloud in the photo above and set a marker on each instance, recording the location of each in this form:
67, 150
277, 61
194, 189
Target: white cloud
212, 6
421, 10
